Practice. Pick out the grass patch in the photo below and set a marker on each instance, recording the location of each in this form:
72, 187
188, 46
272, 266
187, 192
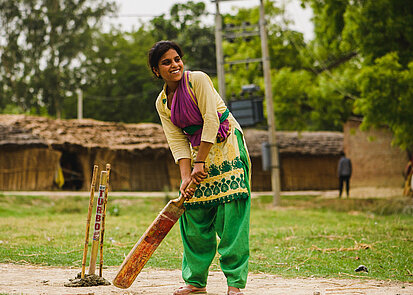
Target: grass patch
305, 236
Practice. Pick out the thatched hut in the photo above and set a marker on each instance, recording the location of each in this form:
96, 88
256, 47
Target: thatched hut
308, 160
138, 153
26, 160
140, 157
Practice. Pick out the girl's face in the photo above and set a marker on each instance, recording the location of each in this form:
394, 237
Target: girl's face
170, 66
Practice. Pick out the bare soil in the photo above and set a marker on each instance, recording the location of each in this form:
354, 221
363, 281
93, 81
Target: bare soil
36, 280
30, 279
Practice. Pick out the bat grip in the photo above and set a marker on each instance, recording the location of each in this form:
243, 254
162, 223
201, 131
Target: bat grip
181, 198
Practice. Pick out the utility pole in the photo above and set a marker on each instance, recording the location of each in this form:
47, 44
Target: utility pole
275, 167
265, 59
79, 104
219, 51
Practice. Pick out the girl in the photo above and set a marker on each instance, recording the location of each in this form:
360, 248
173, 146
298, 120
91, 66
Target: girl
208, 145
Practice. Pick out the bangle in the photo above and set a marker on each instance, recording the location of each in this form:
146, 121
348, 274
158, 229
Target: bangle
197, 162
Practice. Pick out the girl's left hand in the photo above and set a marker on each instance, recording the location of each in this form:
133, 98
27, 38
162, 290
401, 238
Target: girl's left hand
198, 173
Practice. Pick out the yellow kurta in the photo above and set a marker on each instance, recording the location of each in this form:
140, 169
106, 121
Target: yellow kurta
226, 179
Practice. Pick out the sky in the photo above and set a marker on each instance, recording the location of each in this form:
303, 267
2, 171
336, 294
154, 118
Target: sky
131, 11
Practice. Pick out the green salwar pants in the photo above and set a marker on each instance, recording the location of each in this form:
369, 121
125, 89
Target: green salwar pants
199, 230
230, 222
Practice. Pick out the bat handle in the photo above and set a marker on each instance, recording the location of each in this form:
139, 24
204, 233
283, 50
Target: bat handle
181, 198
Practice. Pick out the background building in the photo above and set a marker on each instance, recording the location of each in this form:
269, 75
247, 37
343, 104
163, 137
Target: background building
36, 151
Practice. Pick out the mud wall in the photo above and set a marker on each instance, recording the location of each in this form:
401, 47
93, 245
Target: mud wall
375, 161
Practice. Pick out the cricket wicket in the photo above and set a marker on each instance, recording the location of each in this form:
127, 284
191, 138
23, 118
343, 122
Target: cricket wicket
103, 219
99, 225
89, 215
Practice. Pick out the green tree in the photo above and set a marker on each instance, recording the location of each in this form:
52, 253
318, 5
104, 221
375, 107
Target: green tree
379, 27
42, 42
311, 88
283, 43
328, 50
292, 104
370, 40
387, 98
184, 25
118, 85
383, 33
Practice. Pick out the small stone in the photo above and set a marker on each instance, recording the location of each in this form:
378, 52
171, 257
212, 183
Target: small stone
361, 268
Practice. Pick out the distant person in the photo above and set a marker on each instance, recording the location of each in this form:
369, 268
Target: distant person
408, 175
344, 173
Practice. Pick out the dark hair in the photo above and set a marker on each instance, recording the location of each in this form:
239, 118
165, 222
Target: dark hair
159, 49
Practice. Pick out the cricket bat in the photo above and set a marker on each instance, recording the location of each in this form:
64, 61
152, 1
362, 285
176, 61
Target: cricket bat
150, 240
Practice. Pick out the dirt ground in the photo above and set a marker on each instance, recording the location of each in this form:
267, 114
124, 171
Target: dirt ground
36, 280
29, 279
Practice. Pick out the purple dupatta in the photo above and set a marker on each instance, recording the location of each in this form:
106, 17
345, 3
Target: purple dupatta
186, 114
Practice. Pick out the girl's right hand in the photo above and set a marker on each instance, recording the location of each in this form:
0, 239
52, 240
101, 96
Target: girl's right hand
187, 193
198, 173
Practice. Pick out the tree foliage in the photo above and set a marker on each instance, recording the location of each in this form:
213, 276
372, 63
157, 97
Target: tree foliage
381, 34
117, 83
42, 42
283, 48
359, 63
387, 97
380, 27
184, 25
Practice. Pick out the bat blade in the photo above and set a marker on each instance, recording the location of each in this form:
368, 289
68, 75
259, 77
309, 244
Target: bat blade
147, 244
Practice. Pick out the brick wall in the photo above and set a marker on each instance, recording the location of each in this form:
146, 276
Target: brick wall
375, 161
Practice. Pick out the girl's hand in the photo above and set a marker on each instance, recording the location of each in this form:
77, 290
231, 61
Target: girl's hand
198, 173
187, 193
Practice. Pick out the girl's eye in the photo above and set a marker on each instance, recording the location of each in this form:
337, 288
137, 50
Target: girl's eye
168, 62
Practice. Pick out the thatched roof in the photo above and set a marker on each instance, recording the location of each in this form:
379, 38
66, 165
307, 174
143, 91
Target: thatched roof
88, 133
12, 137
293, 142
